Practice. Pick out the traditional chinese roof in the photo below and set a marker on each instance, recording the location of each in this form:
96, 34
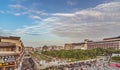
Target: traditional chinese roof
10, 37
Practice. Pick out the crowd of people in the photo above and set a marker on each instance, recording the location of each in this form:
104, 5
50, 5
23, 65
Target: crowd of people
87, 65
28, 64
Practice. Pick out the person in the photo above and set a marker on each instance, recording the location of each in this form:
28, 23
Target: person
81, 68
99, 67
86, 67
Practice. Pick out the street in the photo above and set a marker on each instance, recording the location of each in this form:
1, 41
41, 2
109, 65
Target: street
28, 63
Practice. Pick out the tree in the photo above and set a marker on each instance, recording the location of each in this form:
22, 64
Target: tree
109, 52
45, 47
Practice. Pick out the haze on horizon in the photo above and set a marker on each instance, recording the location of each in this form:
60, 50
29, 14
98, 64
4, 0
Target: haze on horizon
56, 22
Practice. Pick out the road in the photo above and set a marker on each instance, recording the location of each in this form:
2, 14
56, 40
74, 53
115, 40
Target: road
28, 63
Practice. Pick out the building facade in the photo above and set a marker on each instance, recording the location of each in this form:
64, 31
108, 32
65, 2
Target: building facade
37, 49
29, 49
11, 51
52, 47
113, 42
81, 45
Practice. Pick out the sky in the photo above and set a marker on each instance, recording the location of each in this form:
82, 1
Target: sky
56, 22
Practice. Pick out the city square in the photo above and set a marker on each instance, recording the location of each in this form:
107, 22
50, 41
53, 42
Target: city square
59, 34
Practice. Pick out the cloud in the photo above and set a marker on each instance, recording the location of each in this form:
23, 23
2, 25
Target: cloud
19, 1
64, 14
17, 6
2, 12
17, 14
35, 17
19, 9
38, 29
71, 3
97, 22
4, 32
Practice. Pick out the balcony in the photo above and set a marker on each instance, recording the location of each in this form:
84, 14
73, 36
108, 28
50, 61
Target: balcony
8, 53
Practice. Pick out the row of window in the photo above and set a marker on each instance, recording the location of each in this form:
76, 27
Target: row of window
103, 45
7, 49
7, 57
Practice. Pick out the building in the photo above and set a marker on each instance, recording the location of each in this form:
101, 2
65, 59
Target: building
113, 42
52, 47
11, 51
81, 45
37, 49
68, 46
29, 49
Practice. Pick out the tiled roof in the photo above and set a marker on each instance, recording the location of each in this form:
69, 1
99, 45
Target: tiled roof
10, 37
118, 37
78, 43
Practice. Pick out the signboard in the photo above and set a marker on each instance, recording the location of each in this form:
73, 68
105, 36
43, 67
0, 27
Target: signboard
7, 60
0, 64
7, 63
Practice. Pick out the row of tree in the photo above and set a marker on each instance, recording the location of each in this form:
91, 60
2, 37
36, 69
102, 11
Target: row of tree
116, 58
80, 54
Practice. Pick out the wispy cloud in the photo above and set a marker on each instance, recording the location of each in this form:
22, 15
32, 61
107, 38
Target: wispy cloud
35, 17
19, 1
64, 14
17, 6
4, 32
97, 22
18, 9
17, 14
2, 12
71, 3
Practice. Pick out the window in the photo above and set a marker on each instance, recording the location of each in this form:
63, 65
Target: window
19, 48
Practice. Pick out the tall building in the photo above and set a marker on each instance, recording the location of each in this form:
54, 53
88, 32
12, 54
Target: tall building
11, 51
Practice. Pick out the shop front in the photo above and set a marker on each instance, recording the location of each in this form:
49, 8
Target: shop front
7, 66
8, 62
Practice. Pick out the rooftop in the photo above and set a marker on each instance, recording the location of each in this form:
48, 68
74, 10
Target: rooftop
78, 43
28, 47
118, 37
10, 37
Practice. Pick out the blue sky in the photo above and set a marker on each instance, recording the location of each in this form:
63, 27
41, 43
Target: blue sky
56, 22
